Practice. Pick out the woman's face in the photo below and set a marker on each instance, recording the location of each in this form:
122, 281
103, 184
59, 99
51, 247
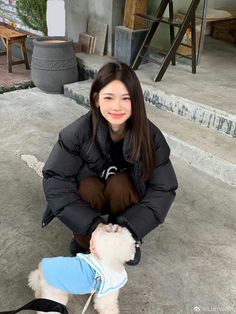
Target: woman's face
115, 104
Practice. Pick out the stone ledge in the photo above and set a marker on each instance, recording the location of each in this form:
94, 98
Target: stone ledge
196, 112
204, 161
202, 114
197, 153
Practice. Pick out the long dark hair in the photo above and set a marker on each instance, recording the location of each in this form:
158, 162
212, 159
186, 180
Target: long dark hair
142, 146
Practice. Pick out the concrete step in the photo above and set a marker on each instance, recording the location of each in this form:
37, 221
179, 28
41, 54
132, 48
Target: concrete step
211, 152
201, 114
198, 113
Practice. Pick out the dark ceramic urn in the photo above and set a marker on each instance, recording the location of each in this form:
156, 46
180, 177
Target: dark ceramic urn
53, 64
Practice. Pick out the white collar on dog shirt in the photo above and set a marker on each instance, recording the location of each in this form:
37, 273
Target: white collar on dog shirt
110, 280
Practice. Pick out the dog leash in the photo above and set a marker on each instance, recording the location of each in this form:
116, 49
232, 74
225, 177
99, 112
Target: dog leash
44, 305
98, 277
87, 302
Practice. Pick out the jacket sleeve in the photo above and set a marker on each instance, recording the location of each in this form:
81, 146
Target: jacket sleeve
61, 172
151, 211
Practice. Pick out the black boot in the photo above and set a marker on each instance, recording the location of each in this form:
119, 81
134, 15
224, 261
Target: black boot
76, 248
80, 244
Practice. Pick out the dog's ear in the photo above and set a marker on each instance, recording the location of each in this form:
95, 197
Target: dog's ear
127, 251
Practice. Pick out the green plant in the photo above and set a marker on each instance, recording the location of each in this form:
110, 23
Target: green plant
33, 14
26, 85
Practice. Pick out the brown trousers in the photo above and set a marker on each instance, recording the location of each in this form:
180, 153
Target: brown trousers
111, 198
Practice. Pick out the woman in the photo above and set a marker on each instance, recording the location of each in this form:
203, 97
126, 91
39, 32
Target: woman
111, 161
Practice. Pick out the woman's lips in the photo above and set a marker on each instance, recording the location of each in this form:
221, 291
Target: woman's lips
117, 115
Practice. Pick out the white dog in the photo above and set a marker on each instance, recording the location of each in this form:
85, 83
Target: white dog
101, 272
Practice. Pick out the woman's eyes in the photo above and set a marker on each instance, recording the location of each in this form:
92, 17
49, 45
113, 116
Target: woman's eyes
110, 98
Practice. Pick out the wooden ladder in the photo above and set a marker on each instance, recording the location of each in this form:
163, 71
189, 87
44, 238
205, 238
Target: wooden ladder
188, 22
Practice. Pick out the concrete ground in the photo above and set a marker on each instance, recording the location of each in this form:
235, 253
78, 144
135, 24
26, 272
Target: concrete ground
188, 263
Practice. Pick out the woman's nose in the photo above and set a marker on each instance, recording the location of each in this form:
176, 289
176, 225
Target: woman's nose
116, 104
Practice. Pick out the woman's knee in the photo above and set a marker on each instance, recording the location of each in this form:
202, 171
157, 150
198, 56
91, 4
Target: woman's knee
120, 193
91, 190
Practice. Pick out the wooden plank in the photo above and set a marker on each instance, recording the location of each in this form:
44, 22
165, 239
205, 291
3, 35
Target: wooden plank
18, 62
8, 33
132, 7
85, 40
99, 30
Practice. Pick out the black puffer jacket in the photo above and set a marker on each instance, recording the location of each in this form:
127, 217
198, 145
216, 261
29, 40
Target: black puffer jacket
75, 157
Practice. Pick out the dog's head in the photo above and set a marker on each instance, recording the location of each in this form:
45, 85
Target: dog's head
112, 244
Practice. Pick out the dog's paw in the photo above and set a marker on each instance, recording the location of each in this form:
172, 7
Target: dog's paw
108, 310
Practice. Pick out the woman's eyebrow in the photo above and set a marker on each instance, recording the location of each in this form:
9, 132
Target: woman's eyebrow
126, 94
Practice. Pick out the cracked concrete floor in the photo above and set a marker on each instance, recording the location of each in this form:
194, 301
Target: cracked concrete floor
188, 263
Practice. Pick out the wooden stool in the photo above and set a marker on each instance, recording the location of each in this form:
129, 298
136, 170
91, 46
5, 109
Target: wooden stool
9, 37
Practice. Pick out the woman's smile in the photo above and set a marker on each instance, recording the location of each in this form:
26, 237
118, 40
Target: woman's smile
116, 115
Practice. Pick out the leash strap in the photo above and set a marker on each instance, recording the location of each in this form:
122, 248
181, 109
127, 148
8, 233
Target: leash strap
98, 277
87, 302
44, 305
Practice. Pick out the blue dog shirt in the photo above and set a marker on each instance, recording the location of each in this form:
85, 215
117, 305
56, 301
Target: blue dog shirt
77, 275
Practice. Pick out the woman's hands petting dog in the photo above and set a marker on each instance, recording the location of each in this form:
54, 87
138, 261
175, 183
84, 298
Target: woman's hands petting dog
108, 228
112, 228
